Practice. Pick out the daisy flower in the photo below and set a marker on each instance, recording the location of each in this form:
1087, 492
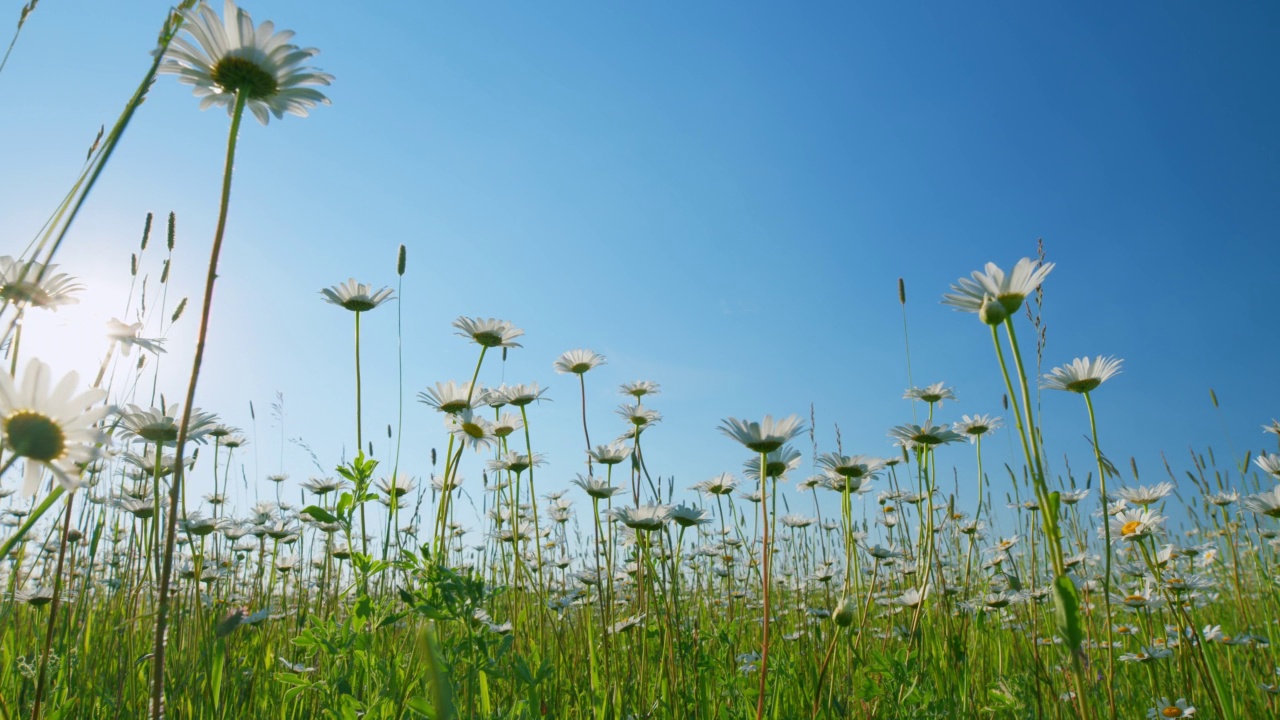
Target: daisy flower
611, 454
52, 428
161, 425
36, 284
1270, 464
639, 388
976, 426
473, 430
230, 56
856, 466
992, 283
686, 516
776, 464
522, 395
1166, 709
450, 397
489, 332
1134, 524
644, 517
128, 337
765, 436
1146, 494
578, 362
1082, 375
935, 393
722, 484
356, 297
595, 487
911, 435
1264, 503
323, 486
639, 416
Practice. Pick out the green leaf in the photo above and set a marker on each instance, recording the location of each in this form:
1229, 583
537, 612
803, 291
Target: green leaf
319, 513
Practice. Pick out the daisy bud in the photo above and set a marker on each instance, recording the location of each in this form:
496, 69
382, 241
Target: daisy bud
992, 311
844, 613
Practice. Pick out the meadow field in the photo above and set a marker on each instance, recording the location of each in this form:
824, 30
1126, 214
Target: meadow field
148, 568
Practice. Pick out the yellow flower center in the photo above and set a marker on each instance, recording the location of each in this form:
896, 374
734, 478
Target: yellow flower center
1172, 712
1130, 527
1135, 599
233, 73
35, 436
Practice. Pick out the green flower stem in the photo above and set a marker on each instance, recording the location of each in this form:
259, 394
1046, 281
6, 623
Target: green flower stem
1106, 577
765, 566
53, 610
162, 609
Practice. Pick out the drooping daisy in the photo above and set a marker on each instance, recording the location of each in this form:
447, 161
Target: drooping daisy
488, 332
356, 297
128, 337
1082, 375
578, 362
765, 436
230, 56
935, 393
50, 428
34, 284
1008, 290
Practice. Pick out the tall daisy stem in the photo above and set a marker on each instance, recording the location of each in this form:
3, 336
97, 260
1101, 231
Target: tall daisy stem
764, 645
162, 608
1106, 577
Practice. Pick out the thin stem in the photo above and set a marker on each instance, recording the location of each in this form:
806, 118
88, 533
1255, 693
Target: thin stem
162, 610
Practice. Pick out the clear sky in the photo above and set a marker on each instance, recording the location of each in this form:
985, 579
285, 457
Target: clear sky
719, 197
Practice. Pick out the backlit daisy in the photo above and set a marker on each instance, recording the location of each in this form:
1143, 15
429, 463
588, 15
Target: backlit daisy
488, 332
230, 56
1009, 290
50, 428
935, 393
765, 436
34, 284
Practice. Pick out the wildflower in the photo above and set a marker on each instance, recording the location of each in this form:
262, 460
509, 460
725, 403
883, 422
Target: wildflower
598, 489
1270, 463
1147, 494
911, 435
1166, 709
1134, 524
323, 486
579, 362
935, 393
450, 397
1224, 499
36, 284
1071, 497
396, 486
639, 416
776, 464
626, 624
356, 297
234, 57
685, 516
765, 436
611, 454
1264, 503
639, 389
976, 426
722, 484
1082, 375
160, 426
992, 284
522, 395
489, 332
516, 462
1146, 654
911, 598
857, 466
471, 429
128, 338
52, 429
644, 517
796, 521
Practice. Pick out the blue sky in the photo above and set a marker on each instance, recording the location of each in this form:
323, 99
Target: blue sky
718, 197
